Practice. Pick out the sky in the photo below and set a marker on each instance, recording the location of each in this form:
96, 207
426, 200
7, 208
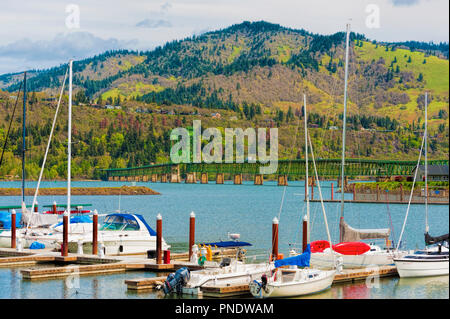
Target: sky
45, 33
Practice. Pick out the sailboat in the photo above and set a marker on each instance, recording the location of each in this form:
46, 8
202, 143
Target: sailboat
299, 279
21, 218
354, 252
433, 260
120, 233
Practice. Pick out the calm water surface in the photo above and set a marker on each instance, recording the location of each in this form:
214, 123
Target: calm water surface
244, 209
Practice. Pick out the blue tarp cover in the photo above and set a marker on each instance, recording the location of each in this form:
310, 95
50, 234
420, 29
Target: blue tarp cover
300, 260
230, 243
5, 219
37, 245
77, 219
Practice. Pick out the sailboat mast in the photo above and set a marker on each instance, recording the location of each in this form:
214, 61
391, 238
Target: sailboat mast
24, 133
306, 168
69, 138
344, 120
426, 163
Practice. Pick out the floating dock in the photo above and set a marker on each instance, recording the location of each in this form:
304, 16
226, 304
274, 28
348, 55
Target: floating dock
92, 264
347, 275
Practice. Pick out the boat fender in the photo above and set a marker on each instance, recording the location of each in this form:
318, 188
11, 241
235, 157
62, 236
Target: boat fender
208, 253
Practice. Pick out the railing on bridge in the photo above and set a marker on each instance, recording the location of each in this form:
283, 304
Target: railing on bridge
327, 168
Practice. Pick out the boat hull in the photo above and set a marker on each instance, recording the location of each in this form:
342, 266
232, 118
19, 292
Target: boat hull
293, 289
226, 276
422, 268
326, 259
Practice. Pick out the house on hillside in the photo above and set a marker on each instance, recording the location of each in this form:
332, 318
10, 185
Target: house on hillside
436, 173
216, 115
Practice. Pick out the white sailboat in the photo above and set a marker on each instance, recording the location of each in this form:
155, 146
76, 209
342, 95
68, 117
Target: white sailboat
121, 233
296, 281
433, 260
354, 253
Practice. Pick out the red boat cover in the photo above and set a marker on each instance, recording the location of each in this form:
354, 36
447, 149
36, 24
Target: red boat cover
60, 212
351, 248
319, 246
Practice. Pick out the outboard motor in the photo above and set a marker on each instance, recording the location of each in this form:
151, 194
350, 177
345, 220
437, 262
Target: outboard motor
176, 281
264, 281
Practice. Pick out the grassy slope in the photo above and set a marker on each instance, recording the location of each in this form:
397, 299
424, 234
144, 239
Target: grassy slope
436, 76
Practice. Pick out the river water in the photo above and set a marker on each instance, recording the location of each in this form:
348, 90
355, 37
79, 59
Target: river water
245, 209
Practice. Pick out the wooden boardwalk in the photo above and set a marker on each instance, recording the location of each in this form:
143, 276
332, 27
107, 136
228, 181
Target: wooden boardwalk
82, 265
347, 275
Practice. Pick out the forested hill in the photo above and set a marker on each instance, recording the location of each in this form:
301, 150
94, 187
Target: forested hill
252, 74
267, 64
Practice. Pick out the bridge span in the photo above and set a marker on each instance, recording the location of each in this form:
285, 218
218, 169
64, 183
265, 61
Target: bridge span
287, 169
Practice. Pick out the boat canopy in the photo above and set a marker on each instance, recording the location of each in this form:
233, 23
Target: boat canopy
36, 219
77, 220
120, 221
430, 240
300, 260
230, 243
5, 220
350, 234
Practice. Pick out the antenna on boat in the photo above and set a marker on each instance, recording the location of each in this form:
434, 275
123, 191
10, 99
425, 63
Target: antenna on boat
426, 164
344, 123
24, 132
306, 168
69, 140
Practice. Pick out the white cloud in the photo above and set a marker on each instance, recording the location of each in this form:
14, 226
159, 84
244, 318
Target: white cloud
64, 46
112, 23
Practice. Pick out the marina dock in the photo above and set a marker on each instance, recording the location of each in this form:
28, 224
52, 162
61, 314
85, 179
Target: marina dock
63, 266
347, 275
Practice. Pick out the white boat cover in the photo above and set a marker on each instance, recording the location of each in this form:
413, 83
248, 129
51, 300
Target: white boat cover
352, 234
38, 220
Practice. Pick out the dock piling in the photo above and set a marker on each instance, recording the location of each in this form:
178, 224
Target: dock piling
274, 238
94, 232
158, 238
191, 233
13, 228
332, 191
65, 247
305, 233
54, 208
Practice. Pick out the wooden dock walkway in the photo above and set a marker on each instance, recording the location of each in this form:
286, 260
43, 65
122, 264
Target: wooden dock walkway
82, 265
347, 275
375, 202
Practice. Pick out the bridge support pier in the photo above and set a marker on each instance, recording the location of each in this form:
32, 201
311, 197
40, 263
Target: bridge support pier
145, 178
259, 179
174, 178
163, 178
154, 178
116, 178
191, 178
219, 178
110, 178
282, 180
237, 179
123, 179
204, 178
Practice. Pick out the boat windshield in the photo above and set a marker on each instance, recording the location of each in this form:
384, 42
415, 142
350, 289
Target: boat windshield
118, 222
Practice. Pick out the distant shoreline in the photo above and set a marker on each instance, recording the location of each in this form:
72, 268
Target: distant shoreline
123, 190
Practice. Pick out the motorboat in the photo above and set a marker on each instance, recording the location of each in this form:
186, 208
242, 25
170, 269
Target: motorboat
432, 261
119, 234
292, 282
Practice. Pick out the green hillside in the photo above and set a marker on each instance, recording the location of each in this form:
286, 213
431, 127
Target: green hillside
253, 74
